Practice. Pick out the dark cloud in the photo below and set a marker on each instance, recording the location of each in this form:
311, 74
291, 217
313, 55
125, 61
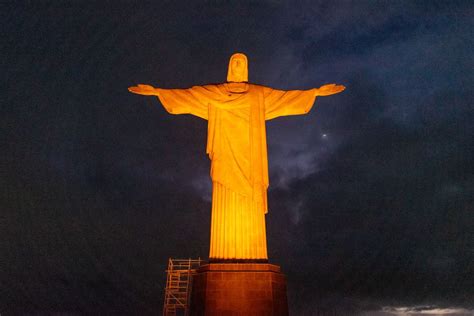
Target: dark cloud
371, 193
384, 217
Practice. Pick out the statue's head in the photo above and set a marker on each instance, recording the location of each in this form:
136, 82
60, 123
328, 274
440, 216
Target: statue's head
238, 68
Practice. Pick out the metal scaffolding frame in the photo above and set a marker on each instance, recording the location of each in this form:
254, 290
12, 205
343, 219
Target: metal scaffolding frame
179, 285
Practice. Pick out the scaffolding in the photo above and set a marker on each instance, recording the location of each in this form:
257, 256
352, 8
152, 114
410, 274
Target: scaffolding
179, 285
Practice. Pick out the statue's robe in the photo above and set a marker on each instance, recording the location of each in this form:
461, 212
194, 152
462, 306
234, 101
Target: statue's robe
237, 147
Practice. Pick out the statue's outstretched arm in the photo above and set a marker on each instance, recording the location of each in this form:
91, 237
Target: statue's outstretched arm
294, 102
328, 89
178, 101
144, 89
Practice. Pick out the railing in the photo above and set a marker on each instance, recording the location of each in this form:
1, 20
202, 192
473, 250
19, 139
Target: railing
179, 285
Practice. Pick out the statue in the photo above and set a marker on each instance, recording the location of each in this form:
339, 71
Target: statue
236, 112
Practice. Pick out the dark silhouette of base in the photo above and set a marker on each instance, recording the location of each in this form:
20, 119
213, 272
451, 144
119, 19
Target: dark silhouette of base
239, 289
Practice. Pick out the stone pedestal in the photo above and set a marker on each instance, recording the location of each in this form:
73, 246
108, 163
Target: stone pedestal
239, 289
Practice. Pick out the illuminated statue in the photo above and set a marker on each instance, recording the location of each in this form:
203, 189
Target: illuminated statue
236, 112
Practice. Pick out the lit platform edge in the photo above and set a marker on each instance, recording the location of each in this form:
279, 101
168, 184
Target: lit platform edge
239, 267
244, 289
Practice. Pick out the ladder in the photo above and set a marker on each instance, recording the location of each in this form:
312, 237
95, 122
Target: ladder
179, 285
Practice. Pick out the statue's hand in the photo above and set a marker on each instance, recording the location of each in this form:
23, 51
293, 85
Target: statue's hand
329, 89
143, 89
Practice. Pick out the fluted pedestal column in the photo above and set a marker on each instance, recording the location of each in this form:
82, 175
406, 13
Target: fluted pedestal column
239, 289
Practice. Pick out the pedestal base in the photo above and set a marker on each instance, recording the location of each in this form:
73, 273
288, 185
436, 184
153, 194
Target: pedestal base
239, 289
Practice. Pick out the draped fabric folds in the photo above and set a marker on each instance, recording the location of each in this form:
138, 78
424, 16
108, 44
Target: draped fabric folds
236, 145
237, 226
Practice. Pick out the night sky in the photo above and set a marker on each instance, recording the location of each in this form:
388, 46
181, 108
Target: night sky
371, 194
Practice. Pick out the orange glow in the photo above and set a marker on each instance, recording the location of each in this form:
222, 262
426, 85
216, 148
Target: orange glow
236, 112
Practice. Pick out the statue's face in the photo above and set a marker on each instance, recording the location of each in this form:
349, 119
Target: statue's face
238, 66
237, 71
